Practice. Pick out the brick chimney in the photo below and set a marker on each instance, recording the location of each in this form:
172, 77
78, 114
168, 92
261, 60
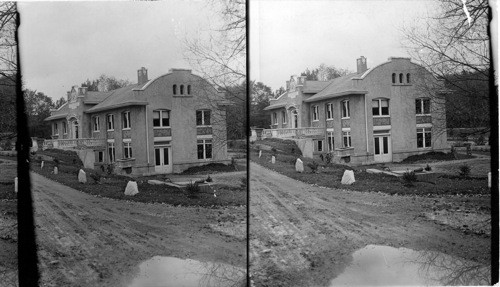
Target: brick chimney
82, 91
361, 63
142, 76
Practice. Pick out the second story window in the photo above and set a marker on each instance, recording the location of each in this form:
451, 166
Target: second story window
182, 89
189, 89
161, 118
423, 106
96, 124
346, 113
329, 111
401, 78
393, 78
126, 120
203, 118
110, 119
408, 78
315, 112
174, 89
380, 107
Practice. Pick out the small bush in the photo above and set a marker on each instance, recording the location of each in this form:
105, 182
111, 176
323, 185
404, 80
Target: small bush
329, 158
193, 188
480, 140
313, 166
274, 150
96, 177
428, 168
409, 178
464, 170
209, 179
56, 162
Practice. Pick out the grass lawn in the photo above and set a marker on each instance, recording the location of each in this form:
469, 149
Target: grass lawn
8, 171
330, 176
113, 186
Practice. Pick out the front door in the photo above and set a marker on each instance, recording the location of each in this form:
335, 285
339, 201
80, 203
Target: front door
163, 159
382, 145
75, 130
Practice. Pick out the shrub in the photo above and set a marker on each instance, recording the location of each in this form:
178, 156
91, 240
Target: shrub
409, 178
480, 140
329, 158
193, 188
56, 162
96, 177
274, 150
428, 168
109, 169
464, 170
313, 166
209, 179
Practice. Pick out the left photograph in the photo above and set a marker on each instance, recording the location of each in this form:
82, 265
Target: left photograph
137, 114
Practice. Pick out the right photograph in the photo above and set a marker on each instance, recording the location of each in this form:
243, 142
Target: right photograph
370, 159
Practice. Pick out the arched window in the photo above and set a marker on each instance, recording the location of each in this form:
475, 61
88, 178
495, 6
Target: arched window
189, 89
401, 78
174, 89
182, 89
408, 78
393, 78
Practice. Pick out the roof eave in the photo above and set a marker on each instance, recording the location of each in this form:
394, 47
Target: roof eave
56, 117
335, 95
274, 107
121, 105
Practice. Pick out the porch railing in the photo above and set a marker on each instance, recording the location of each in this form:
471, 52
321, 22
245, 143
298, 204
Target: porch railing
292, 133
74, 143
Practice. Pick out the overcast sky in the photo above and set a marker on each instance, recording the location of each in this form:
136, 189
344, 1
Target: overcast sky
63, 44
289, 36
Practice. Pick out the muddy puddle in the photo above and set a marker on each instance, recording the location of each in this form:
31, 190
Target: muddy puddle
171, 271
377, 265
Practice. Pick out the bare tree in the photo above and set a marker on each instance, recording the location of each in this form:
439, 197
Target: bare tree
454, 45
8, 69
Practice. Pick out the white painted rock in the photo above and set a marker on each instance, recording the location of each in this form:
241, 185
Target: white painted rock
41, 165
260, 153
373, 170
273, 159
299, 166
16, 187
131, 188
56, 171
348, 177
489, 179
82, 176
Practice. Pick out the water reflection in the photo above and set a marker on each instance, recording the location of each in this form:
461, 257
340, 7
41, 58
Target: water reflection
384, 265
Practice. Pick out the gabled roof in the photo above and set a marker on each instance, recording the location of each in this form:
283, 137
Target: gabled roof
118, 98
60, 113
312, 87
339, 87
278, 102
96, 97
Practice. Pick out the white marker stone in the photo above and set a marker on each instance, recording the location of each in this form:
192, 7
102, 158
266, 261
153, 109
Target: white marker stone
41, 165
56, 171
131, 188
273, 159
489, 179
260, 153
299, 166
348, 177
82, 176
16, 187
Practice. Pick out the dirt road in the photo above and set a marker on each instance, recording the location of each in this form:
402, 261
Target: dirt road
90, 241
303, 235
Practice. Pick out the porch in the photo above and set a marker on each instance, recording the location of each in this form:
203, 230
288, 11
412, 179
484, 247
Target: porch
74, 143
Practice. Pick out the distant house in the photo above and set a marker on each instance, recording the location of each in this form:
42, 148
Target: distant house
163, 125
382, 114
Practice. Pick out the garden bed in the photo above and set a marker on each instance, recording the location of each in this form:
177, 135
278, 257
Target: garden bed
435, 156
113, 186
331, 175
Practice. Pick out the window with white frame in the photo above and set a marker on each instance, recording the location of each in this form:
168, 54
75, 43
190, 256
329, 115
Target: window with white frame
346, 138
315, 112
127, 149
126, 120
319, 145
423, 106
95, 122
56, 130
424, 137
203, 117
330, 140
329, 111
346, 113
205, 149
283, 117
111, 151
275, 118
380, 107
161, 118
65, 128
110, 119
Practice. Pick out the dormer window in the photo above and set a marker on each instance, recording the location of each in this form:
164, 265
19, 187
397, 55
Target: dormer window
174, 89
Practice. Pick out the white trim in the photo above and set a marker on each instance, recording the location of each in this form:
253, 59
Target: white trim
426, 125
111, 140
126, 129
162, 138
201, 137
330, 130
346, 129
379, 128
127, 140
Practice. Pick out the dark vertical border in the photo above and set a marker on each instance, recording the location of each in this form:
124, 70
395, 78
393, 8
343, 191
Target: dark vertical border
494, 152
26, 243
247, 13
